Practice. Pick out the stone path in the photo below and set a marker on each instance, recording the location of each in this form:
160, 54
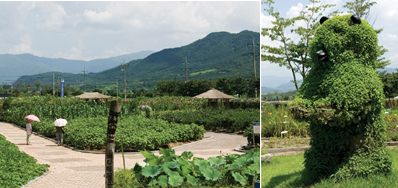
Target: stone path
69, 168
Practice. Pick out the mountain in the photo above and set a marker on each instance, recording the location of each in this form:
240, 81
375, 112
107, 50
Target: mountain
274, 81
286, 87
219, 54
265, 90
47, 78
14, 66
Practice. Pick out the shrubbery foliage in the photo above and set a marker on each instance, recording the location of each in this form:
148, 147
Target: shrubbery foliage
16, 167
173, 170
343, 99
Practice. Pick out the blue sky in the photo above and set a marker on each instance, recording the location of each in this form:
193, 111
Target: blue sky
385, 10
102, 29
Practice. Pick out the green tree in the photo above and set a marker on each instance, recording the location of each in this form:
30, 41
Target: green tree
239, 86
390, 84
293, 55
97, 90
362, 8
77, 92
253, 83
224, 85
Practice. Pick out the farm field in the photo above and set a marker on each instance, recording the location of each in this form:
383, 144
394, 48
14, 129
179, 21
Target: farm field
143, 130
171, 120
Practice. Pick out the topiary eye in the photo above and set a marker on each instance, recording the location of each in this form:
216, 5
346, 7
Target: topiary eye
323, 19
355, 19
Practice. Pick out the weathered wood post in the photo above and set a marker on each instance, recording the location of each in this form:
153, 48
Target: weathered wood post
110, 145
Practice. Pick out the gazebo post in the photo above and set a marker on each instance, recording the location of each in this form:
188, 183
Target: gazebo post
227, 104
209, 103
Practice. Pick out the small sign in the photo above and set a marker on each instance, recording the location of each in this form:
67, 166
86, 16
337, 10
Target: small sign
256, 183
256, 128
62, 87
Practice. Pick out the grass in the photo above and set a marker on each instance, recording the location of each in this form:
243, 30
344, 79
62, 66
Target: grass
285, 171
291, 141
202, 72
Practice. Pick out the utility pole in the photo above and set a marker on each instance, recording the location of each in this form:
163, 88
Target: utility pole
53, 85
124, 71
117, 87
254, 63
40, 77
186, 69
84, 74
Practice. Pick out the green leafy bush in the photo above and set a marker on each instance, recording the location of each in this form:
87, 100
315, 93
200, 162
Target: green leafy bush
231, 120
138, 133
342, 97
16, 167
188, 171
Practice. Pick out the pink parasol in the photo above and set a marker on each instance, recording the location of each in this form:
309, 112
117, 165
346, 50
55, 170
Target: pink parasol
60, 122
33, 118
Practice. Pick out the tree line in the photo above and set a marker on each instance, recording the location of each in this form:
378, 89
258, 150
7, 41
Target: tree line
232, 86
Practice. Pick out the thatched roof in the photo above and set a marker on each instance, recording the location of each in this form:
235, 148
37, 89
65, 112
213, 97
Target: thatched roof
214, 94
93, 95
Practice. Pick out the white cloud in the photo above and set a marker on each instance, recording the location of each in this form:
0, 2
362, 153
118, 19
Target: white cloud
100, 17
51, 16
266, 21
24, 46
294, 11
392, 36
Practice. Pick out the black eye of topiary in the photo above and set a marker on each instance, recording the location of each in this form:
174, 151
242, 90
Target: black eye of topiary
356, 19
323, 19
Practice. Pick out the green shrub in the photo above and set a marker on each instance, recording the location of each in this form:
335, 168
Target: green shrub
188, 171
342, 97
16, 167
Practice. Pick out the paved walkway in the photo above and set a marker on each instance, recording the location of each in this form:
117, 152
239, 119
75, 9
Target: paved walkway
70, 168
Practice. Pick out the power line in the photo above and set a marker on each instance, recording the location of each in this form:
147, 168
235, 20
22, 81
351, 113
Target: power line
186, 69
40, 77
84, 74
124, 71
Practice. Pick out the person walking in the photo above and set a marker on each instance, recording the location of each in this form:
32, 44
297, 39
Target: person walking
28, 132
60, 134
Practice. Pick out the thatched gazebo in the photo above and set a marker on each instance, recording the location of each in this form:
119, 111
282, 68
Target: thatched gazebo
94, 95
214, 94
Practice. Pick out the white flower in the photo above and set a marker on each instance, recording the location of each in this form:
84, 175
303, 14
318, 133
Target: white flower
386, 112
283, 132
285, 116
142, 163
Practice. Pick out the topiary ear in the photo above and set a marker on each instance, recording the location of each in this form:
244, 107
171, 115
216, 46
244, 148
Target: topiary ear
323, 19
356, 19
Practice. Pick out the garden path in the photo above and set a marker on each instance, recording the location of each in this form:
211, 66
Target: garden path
69, 168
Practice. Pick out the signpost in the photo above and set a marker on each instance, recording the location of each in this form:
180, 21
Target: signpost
110, 145
62, 87
256, 130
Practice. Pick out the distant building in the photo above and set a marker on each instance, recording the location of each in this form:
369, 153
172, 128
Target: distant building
4, 96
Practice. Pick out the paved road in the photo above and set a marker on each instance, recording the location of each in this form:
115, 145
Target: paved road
69, 168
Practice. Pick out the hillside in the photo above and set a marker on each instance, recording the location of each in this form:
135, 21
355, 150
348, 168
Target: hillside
14, 66
219, 54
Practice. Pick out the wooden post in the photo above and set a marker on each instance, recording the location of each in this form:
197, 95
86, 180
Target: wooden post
110, 145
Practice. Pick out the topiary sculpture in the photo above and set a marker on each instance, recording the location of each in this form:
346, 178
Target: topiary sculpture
342, 98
